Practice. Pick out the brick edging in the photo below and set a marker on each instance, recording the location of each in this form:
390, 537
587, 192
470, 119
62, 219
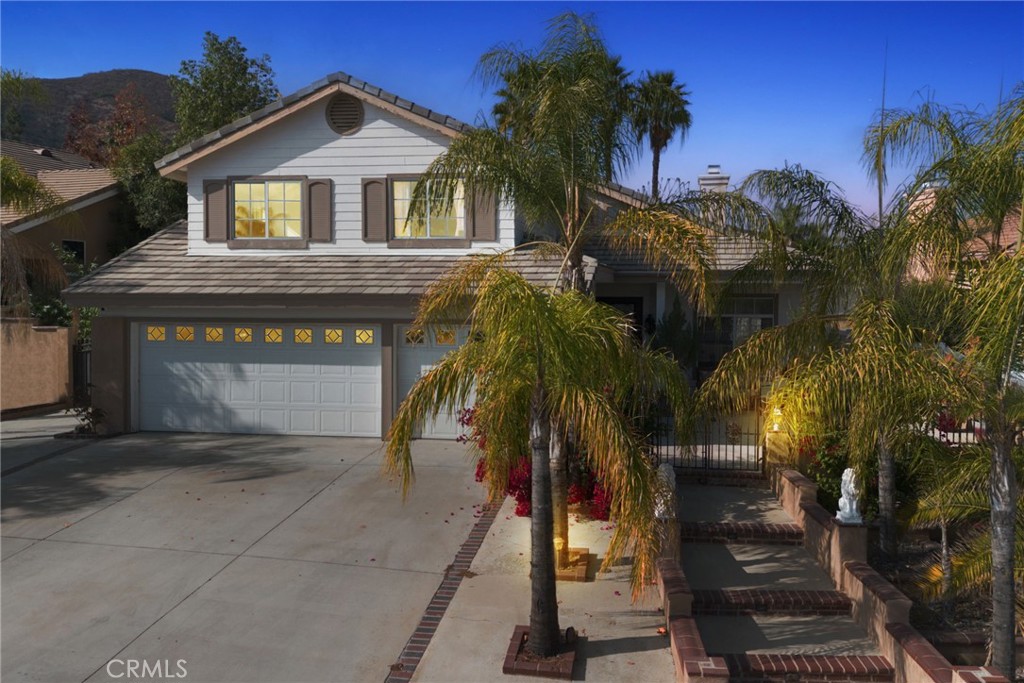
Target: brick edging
403, 669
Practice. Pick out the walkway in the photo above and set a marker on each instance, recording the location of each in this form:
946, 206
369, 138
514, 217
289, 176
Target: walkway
759, 599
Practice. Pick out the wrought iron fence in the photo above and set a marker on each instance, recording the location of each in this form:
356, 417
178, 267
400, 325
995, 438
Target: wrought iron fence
81, 372
721, 443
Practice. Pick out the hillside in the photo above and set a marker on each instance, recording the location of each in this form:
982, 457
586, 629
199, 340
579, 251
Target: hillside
45, 122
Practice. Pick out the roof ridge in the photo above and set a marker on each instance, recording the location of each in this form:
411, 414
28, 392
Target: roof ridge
283, 102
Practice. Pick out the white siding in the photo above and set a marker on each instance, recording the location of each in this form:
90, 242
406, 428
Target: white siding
303, 144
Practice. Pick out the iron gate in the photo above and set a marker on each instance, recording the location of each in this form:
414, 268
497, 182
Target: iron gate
721, 443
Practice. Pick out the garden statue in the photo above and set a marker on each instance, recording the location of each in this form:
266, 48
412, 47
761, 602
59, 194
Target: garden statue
849, 512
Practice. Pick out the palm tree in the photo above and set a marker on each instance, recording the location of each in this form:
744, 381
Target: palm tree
660, 110
548, 154
535, 357
973, 172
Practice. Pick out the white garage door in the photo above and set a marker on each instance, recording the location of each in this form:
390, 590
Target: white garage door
417, 353
251, 378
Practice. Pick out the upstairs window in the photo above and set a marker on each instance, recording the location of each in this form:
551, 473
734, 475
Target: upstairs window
435, 223
267, 209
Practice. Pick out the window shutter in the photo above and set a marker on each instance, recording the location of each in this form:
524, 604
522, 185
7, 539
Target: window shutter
485, 218
320, 196
215, 210
375, 209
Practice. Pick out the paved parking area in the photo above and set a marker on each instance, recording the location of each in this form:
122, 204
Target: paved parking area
250, 558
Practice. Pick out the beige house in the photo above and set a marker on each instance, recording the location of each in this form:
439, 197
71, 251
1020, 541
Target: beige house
37, 360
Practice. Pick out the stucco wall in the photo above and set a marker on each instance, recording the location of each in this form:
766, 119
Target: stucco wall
35, 364
110, 373
93, 225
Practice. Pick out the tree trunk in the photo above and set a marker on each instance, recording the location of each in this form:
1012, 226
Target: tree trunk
544, 637
655, 168
1003, 496
559, 494
947, 572
886, 500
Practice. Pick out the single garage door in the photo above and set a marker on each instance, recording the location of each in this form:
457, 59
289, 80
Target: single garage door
418, 352
251, 378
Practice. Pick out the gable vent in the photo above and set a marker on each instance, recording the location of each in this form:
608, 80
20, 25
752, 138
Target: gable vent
344, 114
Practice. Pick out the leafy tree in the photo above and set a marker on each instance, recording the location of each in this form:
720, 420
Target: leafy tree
223, 86
536, 357
660, 110
16, 87
103, 141
155, 201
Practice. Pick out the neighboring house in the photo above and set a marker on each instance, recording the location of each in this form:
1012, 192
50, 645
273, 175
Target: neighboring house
282, 303
83, 224
37, 360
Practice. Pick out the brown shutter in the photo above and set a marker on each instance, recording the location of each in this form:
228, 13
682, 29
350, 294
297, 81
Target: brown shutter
321, 200
485, 218
375, 209
215, 210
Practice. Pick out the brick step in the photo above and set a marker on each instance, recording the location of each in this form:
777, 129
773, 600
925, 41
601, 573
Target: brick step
741, 532
769, 601
809, 668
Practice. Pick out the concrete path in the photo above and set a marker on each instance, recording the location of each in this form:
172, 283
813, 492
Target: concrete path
250, 558
25, 440
757, 575
279, 559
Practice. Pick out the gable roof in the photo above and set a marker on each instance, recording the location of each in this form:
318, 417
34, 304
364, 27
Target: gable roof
35, 158
160, 272
77, 187
174, 164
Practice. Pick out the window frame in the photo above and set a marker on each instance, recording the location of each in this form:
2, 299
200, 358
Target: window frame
268, 242
394, 242
65, 246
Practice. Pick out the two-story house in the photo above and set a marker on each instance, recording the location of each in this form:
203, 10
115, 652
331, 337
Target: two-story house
282, 303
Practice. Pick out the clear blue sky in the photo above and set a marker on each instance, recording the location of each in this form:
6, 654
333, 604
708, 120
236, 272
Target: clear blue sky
771, 82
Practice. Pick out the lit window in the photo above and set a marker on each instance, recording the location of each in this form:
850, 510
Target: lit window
215, 335
243, 335
156, 333
433, 223
185, 333
273, 335
445, 337
268, 209
413, 336
364, 336
334, 335
303, 335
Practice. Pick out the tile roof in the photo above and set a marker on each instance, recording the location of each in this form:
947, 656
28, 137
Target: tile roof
72, 185
732, 253
160, 271
35, 158
372, 91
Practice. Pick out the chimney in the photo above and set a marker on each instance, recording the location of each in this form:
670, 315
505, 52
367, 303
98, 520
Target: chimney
713, 180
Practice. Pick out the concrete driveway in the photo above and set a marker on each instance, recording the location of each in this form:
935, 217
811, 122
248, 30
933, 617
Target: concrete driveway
249, 558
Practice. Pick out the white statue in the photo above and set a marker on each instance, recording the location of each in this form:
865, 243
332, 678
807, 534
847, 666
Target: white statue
849, 505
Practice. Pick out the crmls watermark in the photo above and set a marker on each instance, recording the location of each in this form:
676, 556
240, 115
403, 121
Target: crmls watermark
143, 668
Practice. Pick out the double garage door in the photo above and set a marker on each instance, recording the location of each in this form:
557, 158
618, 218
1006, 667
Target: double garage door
273, 378
279, 378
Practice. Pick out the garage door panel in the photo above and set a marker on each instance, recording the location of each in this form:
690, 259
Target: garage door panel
417, 355
272, 391
260, 386
302, 392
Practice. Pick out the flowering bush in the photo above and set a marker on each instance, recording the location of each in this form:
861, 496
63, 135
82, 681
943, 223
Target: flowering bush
584, 489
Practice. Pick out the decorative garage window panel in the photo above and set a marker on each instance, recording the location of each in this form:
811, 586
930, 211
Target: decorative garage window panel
185, 333
238, 378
